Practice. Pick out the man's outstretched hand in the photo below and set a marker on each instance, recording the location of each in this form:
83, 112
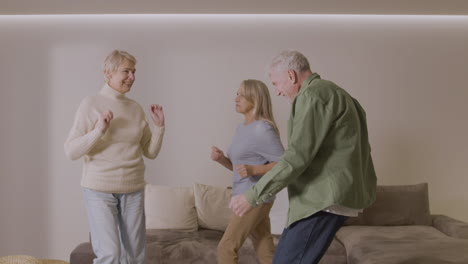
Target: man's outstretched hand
239, 205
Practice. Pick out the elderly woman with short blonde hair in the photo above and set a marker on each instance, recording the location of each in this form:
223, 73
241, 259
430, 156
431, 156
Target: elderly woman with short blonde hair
112, 135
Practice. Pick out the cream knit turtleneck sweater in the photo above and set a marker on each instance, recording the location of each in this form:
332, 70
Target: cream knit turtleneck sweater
113, 161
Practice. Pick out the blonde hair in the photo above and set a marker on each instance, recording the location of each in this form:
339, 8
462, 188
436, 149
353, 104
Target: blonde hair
114, 59
256, 92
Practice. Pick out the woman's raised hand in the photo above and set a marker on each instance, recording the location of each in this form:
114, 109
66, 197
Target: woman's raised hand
157, 114
216, 154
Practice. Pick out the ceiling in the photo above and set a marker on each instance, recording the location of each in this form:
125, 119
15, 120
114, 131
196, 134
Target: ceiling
374, 7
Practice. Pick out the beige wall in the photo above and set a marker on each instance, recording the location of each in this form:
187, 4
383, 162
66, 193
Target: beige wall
408, 72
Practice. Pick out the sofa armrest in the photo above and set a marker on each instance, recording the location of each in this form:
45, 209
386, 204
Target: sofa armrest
82, 254
450, 226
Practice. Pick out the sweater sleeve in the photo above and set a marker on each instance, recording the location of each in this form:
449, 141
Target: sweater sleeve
151, 141
83, 135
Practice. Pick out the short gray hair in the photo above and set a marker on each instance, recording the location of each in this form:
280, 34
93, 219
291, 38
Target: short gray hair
114, 59
289, 60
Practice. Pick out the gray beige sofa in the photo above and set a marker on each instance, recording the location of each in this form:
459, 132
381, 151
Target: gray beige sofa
397, 228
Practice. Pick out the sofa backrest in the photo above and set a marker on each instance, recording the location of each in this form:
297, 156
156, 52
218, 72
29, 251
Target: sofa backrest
396, 205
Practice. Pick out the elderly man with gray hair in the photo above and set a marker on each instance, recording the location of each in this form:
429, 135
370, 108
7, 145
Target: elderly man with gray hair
327, 166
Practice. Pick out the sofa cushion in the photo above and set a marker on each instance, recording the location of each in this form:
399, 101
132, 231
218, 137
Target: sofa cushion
169, 246
165, 246
401, 244
212, 206
170, 208
396, 205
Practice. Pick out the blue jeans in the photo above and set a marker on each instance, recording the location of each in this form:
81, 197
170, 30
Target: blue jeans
117, 224
306, 241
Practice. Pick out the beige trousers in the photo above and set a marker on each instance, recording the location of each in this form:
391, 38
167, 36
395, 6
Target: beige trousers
255, 224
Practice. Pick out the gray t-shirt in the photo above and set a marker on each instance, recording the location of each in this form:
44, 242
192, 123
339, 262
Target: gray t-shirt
256, 143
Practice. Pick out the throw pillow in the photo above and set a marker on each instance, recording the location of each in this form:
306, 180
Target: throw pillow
212, 206
397, 205
170, 208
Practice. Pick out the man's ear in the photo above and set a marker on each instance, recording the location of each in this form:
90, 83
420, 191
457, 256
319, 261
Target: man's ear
292, 76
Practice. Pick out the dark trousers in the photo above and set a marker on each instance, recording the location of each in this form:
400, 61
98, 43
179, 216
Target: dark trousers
306, 241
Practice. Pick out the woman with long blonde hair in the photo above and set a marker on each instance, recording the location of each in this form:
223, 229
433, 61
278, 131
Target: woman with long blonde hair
255, 149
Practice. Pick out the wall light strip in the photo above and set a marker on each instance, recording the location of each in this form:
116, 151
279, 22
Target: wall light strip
230, 16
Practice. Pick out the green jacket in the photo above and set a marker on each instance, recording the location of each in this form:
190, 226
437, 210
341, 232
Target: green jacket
328, 160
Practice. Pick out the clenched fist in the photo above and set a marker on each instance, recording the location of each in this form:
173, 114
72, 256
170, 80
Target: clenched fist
245, 170
216, 154
104, 120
